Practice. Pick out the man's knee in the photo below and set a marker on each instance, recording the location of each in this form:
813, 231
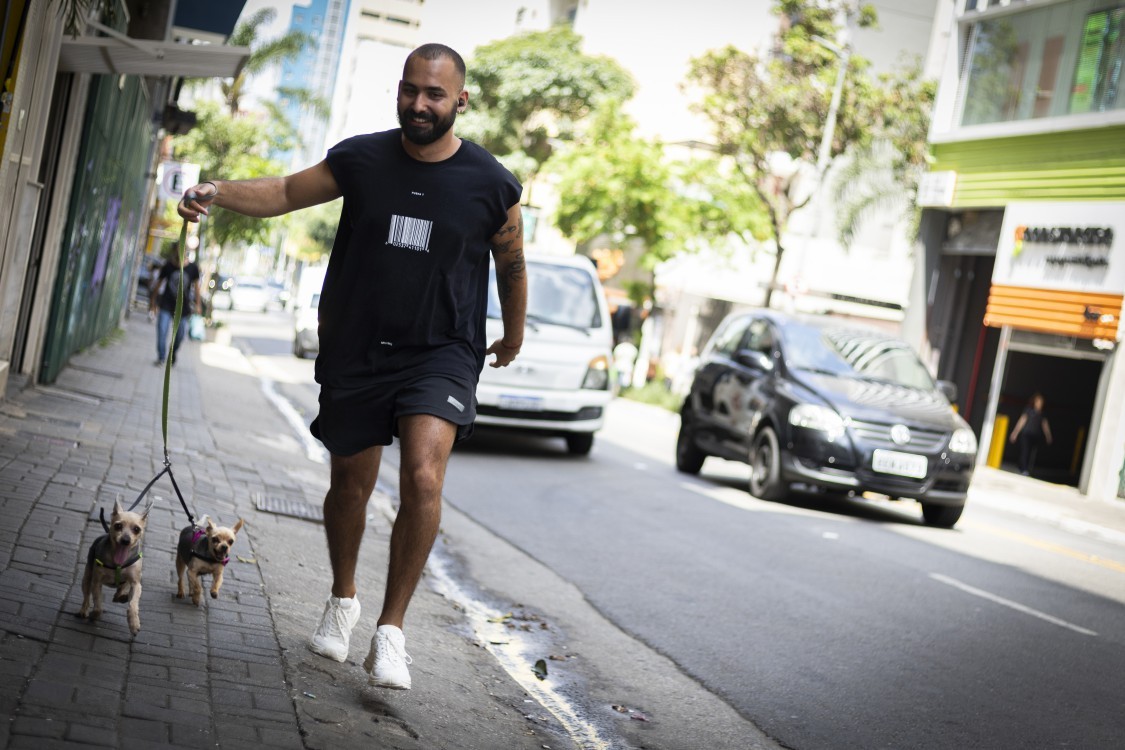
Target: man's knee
424, 480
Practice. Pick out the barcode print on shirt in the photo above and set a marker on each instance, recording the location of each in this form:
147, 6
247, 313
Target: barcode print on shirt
411, 233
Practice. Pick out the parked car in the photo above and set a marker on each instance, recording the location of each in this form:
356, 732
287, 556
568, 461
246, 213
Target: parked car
249, 293
828, 405
279, 294
306, 336
560, 383
216, 294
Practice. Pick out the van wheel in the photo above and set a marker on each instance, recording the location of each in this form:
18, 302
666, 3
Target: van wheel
942, 516
689, 459
579, 443
765, 467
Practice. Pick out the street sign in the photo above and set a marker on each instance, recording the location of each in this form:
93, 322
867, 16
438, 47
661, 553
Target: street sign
174, 177
936, 188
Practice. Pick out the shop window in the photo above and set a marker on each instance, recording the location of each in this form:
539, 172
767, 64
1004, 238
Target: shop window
1054, 61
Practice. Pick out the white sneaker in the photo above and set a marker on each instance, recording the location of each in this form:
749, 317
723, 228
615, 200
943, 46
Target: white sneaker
334, 633
386, 661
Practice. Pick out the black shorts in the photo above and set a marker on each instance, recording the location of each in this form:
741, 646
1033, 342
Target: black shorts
353, 419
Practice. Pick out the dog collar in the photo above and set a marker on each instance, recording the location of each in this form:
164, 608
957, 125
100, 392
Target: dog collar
203, 551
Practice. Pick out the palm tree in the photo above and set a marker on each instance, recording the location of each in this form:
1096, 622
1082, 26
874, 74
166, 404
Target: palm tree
869, 181
262, 56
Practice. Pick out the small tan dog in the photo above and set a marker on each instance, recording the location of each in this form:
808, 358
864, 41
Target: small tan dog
204, 551
115, 560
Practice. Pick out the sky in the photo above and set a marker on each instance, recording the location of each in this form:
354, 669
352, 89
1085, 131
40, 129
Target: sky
653, 39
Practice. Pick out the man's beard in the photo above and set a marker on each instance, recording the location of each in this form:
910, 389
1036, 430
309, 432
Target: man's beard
421, 136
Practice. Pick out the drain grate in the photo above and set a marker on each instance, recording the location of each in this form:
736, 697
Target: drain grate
286, 507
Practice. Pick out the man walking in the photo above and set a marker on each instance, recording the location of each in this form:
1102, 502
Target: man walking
402, 324
162, 300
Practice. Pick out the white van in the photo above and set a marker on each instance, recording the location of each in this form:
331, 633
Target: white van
560, 383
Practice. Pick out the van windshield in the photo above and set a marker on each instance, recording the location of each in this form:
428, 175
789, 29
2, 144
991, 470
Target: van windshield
556, 295
854, 354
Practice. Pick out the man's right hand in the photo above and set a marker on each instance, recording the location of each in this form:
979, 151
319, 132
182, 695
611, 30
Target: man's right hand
196, 200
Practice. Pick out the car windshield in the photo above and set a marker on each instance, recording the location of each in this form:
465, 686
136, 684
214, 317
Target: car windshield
556, 295
857, 354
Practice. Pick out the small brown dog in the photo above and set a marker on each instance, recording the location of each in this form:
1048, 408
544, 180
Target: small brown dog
115, 560
204, 551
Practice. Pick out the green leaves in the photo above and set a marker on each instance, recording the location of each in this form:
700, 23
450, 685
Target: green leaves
778, 103
528, 91
233, 148
610, 182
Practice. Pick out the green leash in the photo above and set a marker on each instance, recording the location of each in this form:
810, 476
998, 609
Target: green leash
167, 387
175, 333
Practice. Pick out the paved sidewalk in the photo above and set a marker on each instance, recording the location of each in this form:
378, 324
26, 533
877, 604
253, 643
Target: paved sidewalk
1055, 504
235, 671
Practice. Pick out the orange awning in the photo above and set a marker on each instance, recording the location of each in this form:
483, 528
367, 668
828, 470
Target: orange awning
1087, 315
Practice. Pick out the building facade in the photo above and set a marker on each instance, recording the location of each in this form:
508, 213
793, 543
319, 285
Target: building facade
82, 118
378, 36
1024, 252
314, 71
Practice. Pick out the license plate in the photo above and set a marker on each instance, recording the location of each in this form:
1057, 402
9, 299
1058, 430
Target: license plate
521, 403
900, 464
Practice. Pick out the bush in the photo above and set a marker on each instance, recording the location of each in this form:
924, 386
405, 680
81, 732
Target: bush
654, 392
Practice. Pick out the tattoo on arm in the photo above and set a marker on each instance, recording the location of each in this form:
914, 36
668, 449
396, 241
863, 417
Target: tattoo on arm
507, 245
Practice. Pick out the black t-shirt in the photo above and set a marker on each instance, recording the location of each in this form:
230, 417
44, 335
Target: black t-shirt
1033, 422
407, 282
169, 276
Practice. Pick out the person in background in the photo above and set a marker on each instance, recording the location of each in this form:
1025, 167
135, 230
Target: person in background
1030, 431
162, 302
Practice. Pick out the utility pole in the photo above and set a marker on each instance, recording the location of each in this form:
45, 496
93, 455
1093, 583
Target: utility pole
842, 49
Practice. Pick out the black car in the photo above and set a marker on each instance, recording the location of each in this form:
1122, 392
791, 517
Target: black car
828, 405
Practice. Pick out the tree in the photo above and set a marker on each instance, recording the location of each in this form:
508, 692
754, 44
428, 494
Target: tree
313, 230
611, 182
529, 90
235, 148
882, 176
761, 108
264, 56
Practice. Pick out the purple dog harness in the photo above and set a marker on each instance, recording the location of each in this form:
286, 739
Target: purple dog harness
203, 551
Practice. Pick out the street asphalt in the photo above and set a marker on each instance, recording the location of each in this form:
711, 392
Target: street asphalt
235, 671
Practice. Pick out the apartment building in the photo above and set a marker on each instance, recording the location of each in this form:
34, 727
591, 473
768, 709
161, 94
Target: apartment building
314, 71
378, 36
1024, 229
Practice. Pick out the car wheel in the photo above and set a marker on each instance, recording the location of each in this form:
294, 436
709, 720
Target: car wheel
689, 459
942, 516
579, 443
765, 467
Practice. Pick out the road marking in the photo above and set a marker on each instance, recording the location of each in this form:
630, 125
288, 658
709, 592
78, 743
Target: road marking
1009, 603
313, 449
1048, 546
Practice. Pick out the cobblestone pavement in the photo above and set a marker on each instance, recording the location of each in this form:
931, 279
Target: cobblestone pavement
233, 672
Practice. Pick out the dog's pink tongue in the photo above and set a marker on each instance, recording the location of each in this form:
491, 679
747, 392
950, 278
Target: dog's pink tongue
120, 555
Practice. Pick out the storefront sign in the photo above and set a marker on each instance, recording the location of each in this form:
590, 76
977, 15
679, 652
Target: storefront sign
174, 177
1065, 246
936, 188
